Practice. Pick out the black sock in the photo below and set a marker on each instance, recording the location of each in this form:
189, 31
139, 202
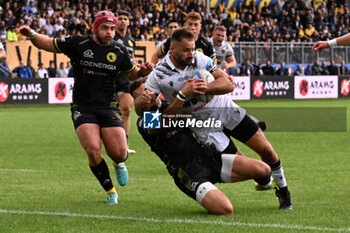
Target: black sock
263, 181
102, 174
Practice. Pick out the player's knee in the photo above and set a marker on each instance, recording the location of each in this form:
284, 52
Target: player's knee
264, 170
94, 155
121, 155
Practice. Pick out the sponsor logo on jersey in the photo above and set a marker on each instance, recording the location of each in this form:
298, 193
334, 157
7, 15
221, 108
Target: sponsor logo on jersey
199, 49
130, 43
88, 53
111, 57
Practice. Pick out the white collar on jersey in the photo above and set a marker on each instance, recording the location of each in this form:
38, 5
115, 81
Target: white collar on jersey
171, 64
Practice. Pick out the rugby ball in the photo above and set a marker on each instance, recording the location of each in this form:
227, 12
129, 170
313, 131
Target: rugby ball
208, 78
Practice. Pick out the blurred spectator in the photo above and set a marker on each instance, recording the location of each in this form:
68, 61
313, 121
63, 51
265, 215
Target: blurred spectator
308, 70
2, 52
316, 68
268, 69
42, 72
342, 69
333, 69
299, 71
246, 68
11, 34
324, 68
62, 72
52, 70
70, 70
282, 70
22, 71
30, 66
259, 70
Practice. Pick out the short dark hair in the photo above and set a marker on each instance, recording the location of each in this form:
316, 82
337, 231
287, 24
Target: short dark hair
136, 84
182, 33
123, 12
171, 21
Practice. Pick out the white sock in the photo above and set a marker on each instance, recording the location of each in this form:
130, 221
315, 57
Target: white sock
278, 176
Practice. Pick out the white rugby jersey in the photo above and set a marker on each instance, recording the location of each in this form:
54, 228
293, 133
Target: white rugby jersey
222, 52
168, 80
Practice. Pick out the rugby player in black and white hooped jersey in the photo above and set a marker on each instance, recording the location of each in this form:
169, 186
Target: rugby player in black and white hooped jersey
193, 22
194, 168
169, 77
96, 61
122, 83
223, 50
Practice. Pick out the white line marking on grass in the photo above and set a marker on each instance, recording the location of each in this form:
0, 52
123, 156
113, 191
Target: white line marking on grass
17, 170
144, 219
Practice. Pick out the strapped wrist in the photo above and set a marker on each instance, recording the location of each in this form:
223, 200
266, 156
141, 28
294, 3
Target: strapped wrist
32, 34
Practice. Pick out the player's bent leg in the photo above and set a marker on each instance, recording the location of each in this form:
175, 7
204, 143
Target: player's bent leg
239, 168
213, 200
116, 147
89, 137
259, 143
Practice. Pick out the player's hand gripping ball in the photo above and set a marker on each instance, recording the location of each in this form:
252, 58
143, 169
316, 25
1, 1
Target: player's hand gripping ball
208, 78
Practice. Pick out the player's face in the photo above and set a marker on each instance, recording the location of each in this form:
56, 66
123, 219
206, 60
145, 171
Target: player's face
171, 28
123, 22
219, 37
106, 32
183, 52
194, 26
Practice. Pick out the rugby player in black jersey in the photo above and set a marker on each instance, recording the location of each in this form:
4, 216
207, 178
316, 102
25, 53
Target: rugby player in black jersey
194, 168
122, 83
97, 59
193, 22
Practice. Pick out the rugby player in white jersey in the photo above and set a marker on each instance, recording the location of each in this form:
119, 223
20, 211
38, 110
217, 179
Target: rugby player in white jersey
168, 78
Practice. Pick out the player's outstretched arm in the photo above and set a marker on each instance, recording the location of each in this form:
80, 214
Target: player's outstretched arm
40, 41
158, 54
339, 41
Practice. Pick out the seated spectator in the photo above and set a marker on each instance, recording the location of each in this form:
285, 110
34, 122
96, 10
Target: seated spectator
333, 69
22, 71
268, 69
299, 71
316, 68
324, 68
62, 72
259, 71
29, 65
342, 69
42, 72
308, 70
52, 70
282, 70
246, 69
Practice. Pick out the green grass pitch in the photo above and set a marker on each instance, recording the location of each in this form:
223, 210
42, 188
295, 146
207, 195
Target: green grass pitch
46, 184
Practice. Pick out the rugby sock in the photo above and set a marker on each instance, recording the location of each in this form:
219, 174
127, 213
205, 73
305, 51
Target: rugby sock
112, 190
102, 174
263, 181
278, 174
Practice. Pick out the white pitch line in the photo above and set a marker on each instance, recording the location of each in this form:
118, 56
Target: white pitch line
144, 219
17, 170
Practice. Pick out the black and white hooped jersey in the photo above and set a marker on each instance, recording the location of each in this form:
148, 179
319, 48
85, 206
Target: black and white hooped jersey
95, 67
222, 52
